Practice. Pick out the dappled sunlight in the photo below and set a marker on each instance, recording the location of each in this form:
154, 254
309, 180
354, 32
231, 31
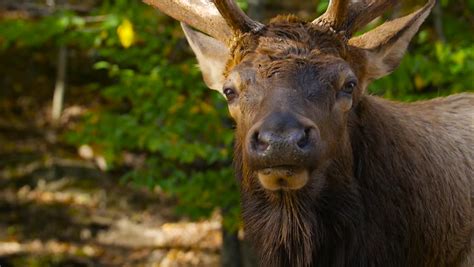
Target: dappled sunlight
48, 247
73, 217
195, 235
71, 198
67, 210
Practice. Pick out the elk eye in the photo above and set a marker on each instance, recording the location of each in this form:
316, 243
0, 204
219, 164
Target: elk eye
349, 87
230, 93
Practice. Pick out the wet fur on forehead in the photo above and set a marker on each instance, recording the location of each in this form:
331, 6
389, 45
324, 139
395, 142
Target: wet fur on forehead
284, 40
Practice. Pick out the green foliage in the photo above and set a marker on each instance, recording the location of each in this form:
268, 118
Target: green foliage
158, 105
155, 103
416, 78
432, 67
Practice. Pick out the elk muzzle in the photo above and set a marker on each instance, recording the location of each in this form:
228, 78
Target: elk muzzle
282, 148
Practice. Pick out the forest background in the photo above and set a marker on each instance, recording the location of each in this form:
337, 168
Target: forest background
114, 84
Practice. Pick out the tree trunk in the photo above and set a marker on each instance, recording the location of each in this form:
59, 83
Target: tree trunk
58, 98
230, 255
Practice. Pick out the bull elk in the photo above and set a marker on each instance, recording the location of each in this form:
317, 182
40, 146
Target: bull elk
329, 175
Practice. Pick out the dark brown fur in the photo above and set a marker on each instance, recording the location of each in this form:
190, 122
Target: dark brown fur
401, 193
396, 189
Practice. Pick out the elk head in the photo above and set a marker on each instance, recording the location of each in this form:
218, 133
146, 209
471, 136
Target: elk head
292, 85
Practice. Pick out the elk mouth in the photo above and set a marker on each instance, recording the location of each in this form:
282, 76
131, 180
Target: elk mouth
285, 178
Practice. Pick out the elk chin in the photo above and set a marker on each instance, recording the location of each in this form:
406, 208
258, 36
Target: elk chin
283, 178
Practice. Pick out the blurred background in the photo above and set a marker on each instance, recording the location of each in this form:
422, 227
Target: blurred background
113, 152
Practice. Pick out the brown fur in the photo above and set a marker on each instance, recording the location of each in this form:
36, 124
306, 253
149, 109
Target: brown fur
395, 187
403, 197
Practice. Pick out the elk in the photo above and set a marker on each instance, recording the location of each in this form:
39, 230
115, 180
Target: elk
330, 175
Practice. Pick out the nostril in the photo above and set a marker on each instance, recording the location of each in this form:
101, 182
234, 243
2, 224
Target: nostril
304, 138
259, 142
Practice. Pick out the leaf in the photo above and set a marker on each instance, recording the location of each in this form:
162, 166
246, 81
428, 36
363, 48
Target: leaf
101, 65
419, 82
126, 33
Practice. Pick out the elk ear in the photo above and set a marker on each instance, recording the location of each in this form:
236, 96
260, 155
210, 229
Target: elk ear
211, 55
386, 44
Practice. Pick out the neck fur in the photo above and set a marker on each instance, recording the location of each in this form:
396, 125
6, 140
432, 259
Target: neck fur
304, 227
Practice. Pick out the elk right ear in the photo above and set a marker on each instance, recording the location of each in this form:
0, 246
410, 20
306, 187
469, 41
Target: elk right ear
386, 44
211, 54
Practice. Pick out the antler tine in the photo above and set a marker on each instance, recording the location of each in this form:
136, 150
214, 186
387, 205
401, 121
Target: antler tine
335, 15
236, 18
363, 12
349, 16
200, 14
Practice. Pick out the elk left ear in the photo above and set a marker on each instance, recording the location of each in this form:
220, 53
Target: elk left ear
386, 44
211, 55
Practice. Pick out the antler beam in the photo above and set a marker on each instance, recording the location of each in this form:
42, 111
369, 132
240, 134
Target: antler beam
200, 14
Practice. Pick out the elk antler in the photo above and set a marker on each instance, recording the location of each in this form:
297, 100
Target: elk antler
200, 14
349, 16
220, 19
236, 18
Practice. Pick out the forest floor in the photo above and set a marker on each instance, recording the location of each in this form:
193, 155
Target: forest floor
58, 209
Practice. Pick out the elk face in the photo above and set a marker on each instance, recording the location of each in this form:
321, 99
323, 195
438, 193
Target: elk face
290, 99
291, 85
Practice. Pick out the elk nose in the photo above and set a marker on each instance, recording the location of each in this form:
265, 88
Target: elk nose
297, 138
282, 139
